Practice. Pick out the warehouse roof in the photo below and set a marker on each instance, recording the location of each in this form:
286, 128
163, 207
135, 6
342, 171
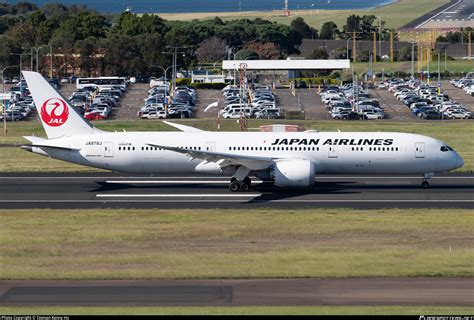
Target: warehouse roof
300, 64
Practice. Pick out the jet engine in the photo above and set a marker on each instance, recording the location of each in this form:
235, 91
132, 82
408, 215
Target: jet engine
293, 173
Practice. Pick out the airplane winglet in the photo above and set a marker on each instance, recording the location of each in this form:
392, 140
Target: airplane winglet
183, 127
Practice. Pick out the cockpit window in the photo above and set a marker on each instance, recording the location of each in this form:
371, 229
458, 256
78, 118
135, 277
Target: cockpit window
444, 149
449, 148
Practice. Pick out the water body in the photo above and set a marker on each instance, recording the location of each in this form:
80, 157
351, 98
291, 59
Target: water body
183, 6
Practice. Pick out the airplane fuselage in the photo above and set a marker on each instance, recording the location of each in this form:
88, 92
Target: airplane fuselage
329, 152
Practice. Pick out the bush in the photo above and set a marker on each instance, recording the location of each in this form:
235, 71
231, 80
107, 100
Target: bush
215, 86
316, 81
183, 81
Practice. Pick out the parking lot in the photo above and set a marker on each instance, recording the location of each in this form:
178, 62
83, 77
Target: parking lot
303, 102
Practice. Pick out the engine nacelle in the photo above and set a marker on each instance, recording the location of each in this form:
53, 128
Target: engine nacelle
293, 173
208, 167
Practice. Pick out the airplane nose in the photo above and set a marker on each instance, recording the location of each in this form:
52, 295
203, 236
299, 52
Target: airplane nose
459, 161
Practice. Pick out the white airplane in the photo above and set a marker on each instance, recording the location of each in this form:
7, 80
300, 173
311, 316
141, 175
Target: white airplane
289, 159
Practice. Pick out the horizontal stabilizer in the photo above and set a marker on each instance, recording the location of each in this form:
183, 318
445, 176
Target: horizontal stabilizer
52, 147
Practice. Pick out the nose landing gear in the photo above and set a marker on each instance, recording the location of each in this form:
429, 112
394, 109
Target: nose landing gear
425, 184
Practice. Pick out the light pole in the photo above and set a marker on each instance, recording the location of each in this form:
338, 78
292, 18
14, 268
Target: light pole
4, 100
37, 62
21, 60
165, 71
347, 48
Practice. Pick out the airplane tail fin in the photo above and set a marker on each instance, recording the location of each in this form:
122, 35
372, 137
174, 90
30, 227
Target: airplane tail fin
58, 117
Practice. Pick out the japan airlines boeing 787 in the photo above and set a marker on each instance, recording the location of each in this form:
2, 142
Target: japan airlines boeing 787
289, 159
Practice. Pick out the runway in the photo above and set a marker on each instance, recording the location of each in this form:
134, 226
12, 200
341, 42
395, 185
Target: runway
268, 292
197, 191
458, 14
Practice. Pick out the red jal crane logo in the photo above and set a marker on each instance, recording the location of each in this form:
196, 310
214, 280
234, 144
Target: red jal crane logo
54, 112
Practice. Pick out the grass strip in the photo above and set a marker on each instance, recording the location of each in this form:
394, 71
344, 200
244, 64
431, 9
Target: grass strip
210, 244
316, 310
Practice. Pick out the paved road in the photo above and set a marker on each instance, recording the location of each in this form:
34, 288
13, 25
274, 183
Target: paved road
195, 191
284, 292
460, 14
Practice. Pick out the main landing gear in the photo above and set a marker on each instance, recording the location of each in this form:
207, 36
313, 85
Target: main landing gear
425, 184
240, 181
242, 186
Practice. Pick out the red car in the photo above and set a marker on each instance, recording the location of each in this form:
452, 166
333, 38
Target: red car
95, 115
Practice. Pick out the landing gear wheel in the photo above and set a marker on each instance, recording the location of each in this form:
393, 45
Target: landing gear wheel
234, 186
425, 185
247, 181
233, 179
244, 187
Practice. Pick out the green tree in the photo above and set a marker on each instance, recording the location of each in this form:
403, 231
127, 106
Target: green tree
303, 29
54, 9
246, 55
319, 54
329, 31
84, 25
352, 24
339, 53
89, 58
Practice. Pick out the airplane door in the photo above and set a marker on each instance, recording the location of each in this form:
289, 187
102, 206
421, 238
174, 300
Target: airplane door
420, 150
332, 152
210, 146
108, 149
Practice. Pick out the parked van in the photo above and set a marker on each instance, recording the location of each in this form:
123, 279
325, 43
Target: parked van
236, 113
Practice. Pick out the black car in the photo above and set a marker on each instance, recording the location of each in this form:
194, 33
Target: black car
431, 115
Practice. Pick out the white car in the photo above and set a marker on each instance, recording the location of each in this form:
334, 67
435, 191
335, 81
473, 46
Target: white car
154, 115
371, 115
458, 114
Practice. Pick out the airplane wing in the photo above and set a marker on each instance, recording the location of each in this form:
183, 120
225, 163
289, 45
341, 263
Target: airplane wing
223, 159
182, 127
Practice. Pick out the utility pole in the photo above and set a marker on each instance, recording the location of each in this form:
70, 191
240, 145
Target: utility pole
375, 46
439, 75
380, 37
391, 47
469, 47
354, 46
50, 61
412, 58
428, 54
175, 51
